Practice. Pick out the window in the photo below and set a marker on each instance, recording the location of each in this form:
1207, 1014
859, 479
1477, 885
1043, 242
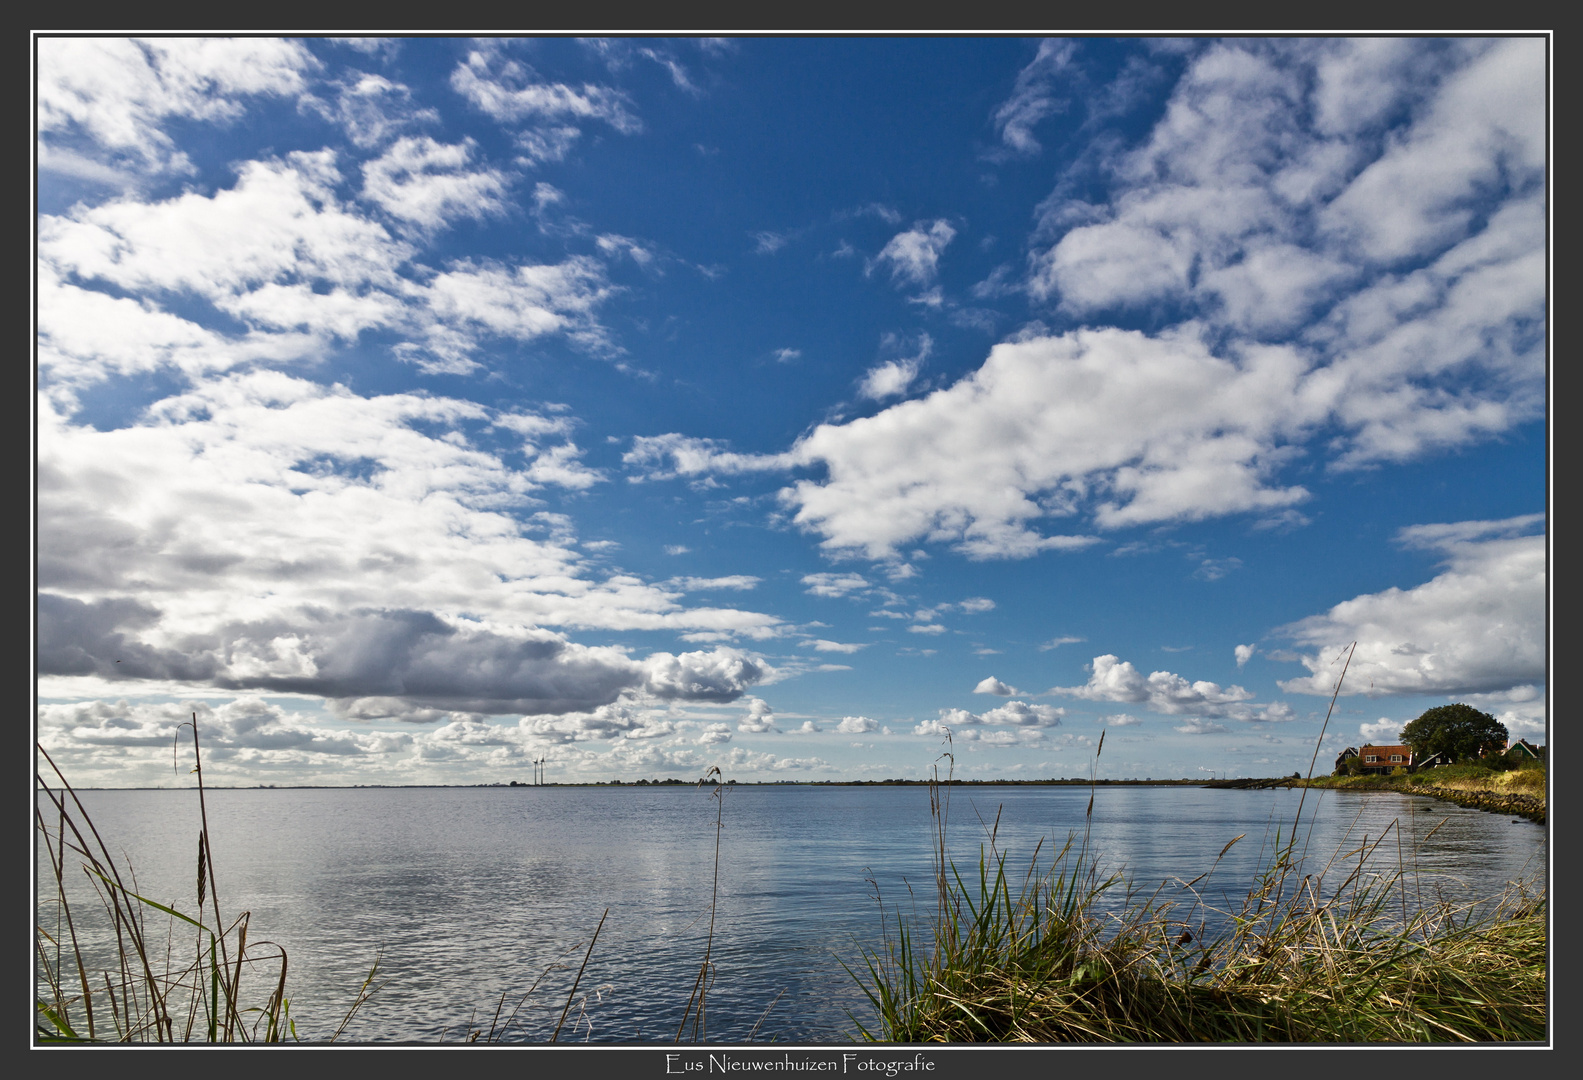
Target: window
1371, 757
1396, 757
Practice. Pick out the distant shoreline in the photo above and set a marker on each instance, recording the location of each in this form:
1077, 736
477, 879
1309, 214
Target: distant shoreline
625, 785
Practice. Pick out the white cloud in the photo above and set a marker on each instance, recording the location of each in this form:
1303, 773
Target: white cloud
1013, 714
1487, 118
1383, 732
714, 735
280, 252
428, 184
834, 584
1200, 727
856, 725
1056, 643
1120, 720
914, 255
1034, 96
1215, 569
1477, 627
768, 243
1404, 266
992, 685
550, 115
889, 379
1002, 738
110, 97
822, 645
892, 378
371, 109
1134, 429
1021, 714
759, 719
738, 582
1114, 679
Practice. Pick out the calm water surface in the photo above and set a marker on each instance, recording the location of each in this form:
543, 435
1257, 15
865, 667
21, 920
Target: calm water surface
472, 893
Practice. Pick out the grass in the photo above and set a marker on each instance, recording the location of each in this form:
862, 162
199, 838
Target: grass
1302, 959
1338, 954
1527, 780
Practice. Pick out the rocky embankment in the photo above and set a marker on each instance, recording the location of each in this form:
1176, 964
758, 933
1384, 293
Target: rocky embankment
1495, 802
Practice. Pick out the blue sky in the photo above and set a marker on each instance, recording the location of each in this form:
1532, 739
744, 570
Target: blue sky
415, 409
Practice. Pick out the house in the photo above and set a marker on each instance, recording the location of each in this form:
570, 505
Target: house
1433, 761
1382, 759
1342, 758
1523, 750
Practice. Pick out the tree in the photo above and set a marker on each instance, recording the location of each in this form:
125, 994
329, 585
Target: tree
1461, 731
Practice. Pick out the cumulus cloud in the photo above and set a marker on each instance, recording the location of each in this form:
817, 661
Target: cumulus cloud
856, 725
1477, 627
1114, 679
992, 685
1130, 428
759, 719
1013, 714
1245, 653
1196, 726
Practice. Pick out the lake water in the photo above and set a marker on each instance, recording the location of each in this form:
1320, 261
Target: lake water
472, 893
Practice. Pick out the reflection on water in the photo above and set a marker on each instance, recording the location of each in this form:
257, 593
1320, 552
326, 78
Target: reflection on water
470, 894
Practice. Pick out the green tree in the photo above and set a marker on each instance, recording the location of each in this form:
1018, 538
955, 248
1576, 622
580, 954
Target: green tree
1459, 730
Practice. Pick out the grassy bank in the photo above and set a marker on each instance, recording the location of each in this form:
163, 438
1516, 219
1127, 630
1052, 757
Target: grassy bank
1471, 778
1518, 792
1335, 955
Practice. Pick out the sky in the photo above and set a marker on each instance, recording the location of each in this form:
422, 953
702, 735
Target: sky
411, 411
